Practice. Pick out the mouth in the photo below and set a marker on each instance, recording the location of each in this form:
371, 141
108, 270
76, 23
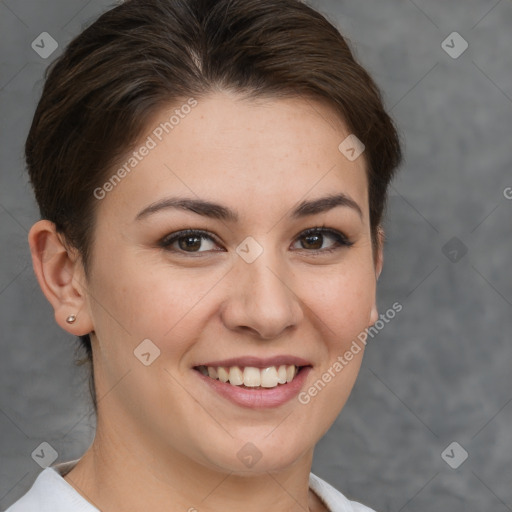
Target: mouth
252, 377
254, 382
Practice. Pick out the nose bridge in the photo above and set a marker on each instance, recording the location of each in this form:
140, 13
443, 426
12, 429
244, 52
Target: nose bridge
263, 298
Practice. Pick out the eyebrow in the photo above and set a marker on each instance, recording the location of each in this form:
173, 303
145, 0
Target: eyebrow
217, 211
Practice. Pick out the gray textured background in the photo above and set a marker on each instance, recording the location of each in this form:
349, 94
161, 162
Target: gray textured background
437, 373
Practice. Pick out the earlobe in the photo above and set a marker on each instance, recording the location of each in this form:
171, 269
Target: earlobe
374, 315
60, 276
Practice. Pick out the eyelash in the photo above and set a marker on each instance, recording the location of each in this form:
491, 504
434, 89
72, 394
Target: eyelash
340, 239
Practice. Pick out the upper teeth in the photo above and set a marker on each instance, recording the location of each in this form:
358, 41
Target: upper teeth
252, 377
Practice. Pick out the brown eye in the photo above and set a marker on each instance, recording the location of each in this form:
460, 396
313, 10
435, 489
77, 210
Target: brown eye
189, 241
313, 239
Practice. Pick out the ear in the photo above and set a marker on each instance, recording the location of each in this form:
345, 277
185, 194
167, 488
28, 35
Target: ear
379, 262
59, 272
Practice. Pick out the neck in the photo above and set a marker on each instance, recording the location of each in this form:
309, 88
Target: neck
125, 474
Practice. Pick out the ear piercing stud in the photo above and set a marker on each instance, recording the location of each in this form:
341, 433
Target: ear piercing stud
70, 319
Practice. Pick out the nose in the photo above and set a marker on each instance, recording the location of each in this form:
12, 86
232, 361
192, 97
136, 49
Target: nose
261, 298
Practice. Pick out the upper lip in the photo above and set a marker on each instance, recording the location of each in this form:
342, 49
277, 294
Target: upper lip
259, 362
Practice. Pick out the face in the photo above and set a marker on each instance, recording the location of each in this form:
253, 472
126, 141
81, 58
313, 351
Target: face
249, 281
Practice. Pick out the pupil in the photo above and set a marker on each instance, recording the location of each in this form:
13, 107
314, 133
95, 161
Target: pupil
194, 245
318, 239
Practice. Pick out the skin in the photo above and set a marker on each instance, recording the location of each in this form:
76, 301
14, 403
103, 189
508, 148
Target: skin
164, 440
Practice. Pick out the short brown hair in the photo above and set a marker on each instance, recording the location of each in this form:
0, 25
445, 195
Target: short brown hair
101, 92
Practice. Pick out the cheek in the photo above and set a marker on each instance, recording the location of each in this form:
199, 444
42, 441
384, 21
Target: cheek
136, 300
340, 311
341, 301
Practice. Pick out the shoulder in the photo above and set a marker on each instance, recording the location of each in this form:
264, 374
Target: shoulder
332, 498
51, 493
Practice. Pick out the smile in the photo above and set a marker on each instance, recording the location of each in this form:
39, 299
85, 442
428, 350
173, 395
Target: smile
255, 382
251, 377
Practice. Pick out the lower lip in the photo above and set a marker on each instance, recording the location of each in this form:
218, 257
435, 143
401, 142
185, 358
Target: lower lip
258, 398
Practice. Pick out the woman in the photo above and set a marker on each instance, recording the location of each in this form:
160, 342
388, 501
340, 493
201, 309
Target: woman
211, 178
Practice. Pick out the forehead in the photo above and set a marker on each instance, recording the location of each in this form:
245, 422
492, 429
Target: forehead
246, 153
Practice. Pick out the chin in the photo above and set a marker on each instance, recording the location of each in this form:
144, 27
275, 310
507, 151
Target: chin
257, 457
